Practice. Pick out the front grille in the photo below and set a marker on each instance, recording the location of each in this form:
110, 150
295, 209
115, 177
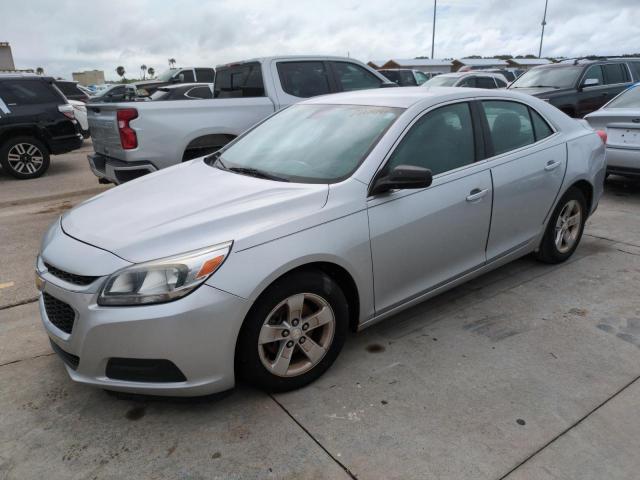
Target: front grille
59, 313
72, 360
70, 277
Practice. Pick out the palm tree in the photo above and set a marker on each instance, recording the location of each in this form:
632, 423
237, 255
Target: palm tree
120, 71
172, 62
40, 71
151, 71
143, 67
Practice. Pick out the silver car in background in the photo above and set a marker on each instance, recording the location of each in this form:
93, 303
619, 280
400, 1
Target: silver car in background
332, 214
620, 119
469, 79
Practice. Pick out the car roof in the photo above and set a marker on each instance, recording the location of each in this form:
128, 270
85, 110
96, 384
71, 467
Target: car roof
405, 97
291, 57
25, 76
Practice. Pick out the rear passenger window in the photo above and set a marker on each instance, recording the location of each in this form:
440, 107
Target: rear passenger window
303, 79
540, 127
199, 92
510, 125
469, 82
500, 83
29, 92
354, 77
205, 75
239, 81
441, 140
187, 76
485, 82
615, 73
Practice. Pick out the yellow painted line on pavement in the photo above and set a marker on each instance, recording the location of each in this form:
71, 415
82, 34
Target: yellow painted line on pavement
6, 285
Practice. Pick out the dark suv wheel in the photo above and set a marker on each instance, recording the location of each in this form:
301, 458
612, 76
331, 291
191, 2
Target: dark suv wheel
24, 157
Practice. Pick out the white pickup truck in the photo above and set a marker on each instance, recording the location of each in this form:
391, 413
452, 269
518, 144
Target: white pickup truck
133, 139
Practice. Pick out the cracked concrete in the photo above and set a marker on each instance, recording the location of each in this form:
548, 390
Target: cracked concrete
529, 372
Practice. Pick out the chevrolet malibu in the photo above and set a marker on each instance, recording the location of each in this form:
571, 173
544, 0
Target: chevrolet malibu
330, 215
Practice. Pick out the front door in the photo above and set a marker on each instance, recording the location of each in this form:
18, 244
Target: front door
421, 239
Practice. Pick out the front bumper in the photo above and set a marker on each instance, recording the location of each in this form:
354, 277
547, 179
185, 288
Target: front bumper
118, 171
196, 333
623, 161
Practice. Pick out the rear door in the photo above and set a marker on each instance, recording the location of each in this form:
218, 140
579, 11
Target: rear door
528, 161
300, 79
350, 76
612, 79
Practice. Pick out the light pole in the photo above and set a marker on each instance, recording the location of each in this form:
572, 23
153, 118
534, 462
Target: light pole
544, 22
433, 34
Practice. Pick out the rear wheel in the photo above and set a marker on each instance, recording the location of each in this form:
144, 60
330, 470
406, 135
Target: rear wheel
565, 228
293, 333
24, 157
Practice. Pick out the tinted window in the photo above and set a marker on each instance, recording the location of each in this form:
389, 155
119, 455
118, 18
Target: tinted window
595, 71
354, 77
237, 81
560, 77
303, 79
469, 82
205, 75
485, 82
540, 126
501, 83
312, 143
28, 92
615, 73
68, 88
420, 77
630, 98
187, 76
440, 141
510, 125
199, 92
635, 68
404, 78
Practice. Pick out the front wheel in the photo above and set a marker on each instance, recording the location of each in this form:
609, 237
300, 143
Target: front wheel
293, 333
24, 157
565, 228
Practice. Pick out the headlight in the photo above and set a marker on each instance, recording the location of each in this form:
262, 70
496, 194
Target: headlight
163, 280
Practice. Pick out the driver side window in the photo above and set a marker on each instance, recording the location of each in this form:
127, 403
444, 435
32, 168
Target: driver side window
441, 140
594, 71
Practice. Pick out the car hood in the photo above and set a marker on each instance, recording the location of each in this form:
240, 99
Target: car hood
192, 206
540, 92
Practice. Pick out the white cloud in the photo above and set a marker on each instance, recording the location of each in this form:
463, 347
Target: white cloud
63, 35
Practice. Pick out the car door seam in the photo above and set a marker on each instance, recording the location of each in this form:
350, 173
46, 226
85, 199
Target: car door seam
486, 245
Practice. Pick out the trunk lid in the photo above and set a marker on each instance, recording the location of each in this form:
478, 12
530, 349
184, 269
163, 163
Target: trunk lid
103, 124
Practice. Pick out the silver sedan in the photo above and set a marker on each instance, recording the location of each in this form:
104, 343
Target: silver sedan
330, 215
620, 119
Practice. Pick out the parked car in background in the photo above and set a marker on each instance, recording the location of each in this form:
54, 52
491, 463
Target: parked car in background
36, 121
470, 79
174, 76
620, 118
72, 90
131, 140
578, 87
185, 91
405, 77
80, 113
509, 74
332, 214
115, 93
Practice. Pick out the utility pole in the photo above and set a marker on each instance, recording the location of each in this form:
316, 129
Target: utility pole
433, 34
544, 22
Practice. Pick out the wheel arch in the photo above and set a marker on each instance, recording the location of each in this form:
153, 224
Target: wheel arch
13, 132
205, 144
587, 190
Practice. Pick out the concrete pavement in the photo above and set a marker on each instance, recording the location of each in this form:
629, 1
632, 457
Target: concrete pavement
529, 372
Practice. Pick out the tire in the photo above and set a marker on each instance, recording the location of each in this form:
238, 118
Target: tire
24, 157
563, 235
272, 321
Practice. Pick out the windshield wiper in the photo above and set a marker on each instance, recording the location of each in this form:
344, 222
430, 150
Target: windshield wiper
254, 172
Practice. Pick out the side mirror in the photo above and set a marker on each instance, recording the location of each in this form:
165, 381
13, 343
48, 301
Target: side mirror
402, 177
590, 82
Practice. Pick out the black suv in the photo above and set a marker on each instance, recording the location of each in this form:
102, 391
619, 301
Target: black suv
579, 86
35, 121
71, 90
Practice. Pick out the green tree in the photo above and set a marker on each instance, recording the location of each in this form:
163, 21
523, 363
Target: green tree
151, 71
172, 62
143, 67
40, 71
120, 71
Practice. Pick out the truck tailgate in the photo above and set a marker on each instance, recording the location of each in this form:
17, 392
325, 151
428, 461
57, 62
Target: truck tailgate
103, 125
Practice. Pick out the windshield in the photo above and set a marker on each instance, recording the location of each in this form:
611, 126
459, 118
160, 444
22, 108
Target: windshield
554, 77
630, 98
310, 143
441, 81
167, 74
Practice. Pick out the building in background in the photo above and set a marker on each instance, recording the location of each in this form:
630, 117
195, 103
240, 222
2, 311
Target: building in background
527, 63
6, 58
426, 65
89, 77
478, 63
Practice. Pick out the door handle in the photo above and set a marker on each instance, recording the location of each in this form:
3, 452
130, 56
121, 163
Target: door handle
476, 194
551, 165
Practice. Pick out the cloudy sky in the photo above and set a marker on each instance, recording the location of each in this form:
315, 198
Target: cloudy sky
68, 35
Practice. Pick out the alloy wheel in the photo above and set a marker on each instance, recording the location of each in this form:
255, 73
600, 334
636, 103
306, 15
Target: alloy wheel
568, 226
25, 158
296, 335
